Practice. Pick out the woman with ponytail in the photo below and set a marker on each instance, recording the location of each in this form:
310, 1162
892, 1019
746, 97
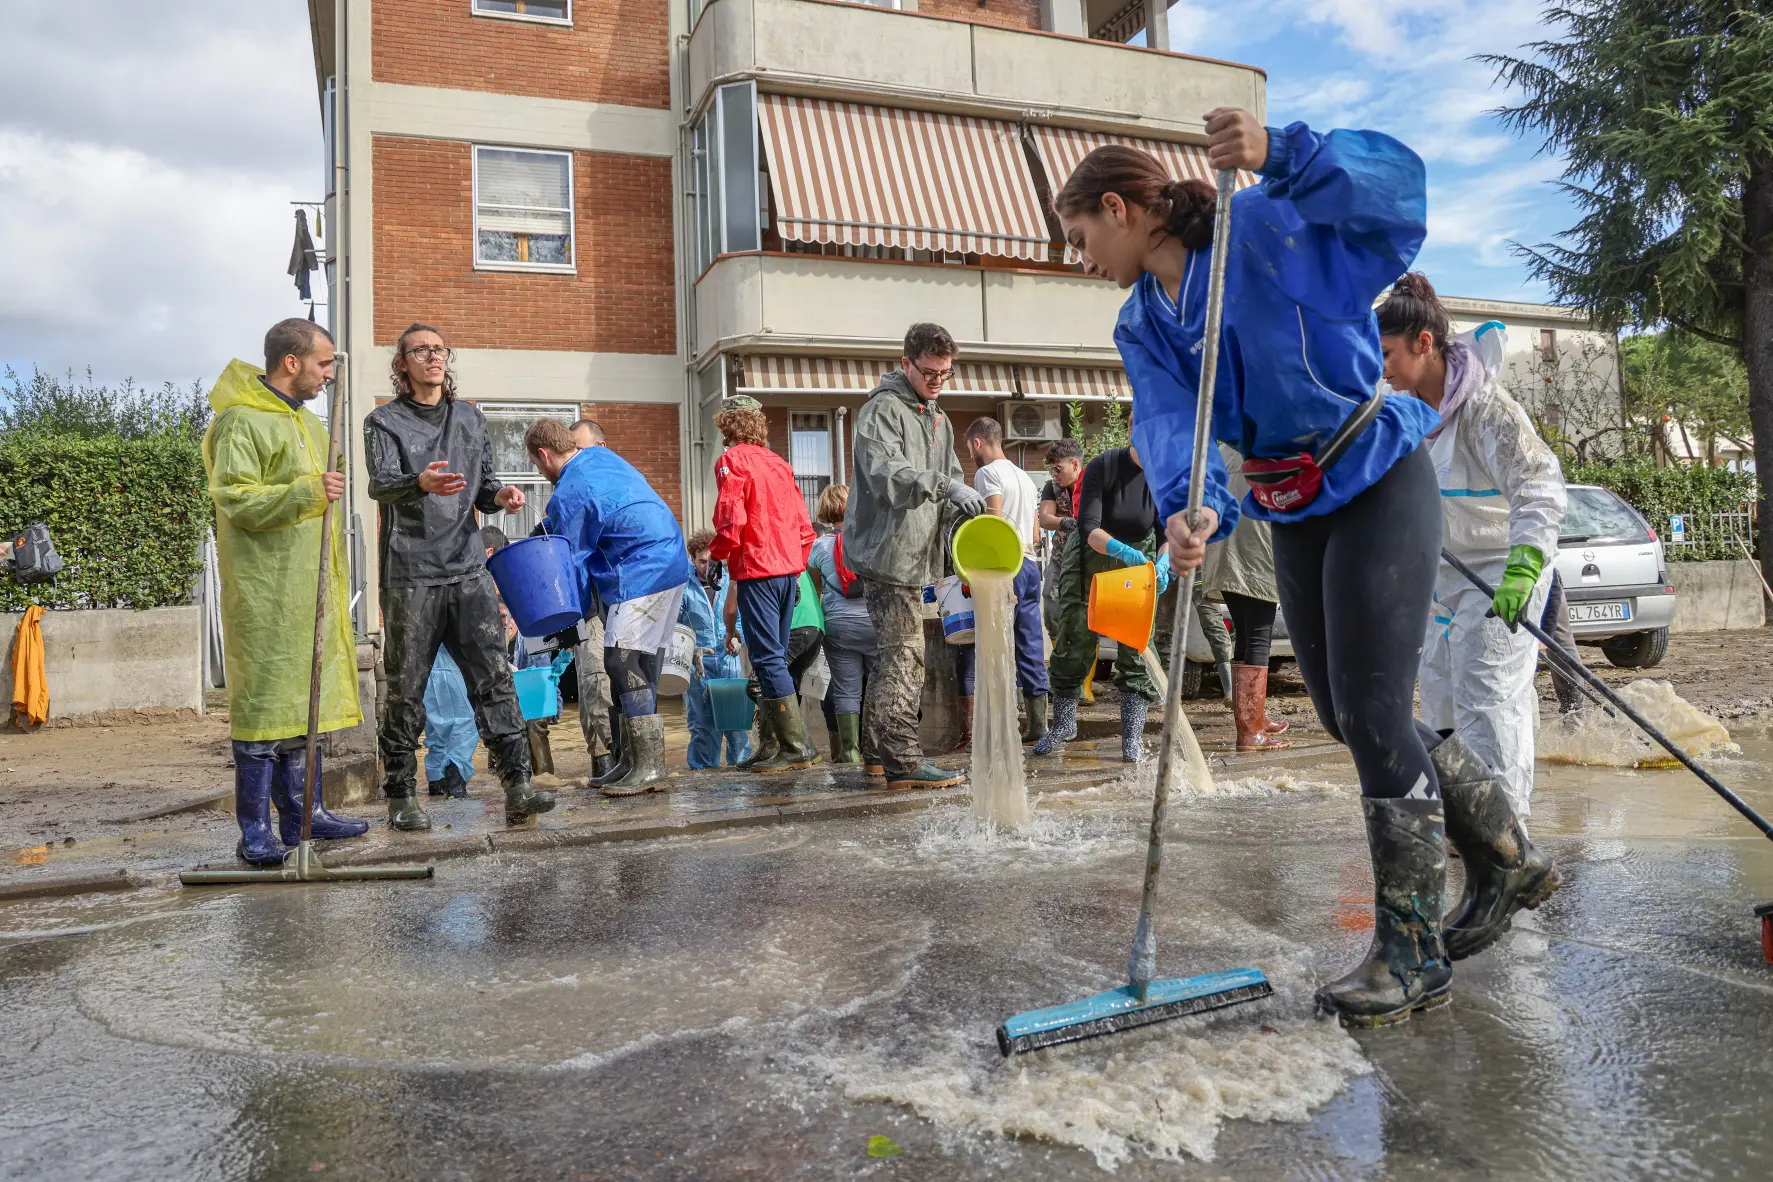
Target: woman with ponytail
1502, 504
1337, 471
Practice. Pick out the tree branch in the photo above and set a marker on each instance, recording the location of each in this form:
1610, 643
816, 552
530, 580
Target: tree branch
1706, 334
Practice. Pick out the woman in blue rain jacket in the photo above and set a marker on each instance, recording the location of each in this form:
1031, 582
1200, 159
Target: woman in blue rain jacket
1335, 219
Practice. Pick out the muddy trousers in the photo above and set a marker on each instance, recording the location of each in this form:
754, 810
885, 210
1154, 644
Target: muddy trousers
463, 617
1074, 645
594, 692
895, 687
1356, 585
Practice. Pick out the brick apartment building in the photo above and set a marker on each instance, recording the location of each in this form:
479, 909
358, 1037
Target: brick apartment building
629, 210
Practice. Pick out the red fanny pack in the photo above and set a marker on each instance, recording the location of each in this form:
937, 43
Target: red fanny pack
1289, 484
846, 578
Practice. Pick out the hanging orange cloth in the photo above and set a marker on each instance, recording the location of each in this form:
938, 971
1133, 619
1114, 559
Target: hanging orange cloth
30, 688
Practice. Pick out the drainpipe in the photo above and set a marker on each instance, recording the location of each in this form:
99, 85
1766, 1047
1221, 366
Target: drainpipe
837, 443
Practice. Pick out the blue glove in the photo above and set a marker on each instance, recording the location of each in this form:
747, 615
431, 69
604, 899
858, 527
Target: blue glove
1124, 554
1163, 572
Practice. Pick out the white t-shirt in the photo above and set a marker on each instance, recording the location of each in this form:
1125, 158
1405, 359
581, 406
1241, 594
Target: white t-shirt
1021, 500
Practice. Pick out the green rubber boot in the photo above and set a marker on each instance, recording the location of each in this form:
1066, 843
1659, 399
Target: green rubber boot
848, 748
789, 725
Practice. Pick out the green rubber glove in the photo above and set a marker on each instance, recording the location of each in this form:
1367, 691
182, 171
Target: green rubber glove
1524, 566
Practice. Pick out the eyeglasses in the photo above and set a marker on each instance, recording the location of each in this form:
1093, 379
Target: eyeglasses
935, 377
428, 352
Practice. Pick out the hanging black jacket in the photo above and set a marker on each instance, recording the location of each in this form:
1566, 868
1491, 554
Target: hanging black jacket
426, 538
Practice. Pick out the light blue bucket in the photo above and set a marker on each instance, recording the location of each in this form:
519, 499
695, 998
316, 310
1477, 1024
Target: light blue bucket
538, 689
733, 708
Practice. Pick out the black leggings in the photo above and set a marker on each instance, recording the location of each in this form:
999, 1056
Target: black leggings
1253, 620
1356, 585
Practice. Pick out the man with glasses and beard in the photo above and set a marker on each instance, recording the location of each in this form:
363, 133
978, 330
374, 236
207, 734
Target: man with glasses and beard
907, 486
430, 465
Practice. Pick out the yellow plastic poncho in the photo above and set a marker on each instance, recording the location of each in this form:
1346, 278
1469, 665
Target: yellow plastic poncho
264, 462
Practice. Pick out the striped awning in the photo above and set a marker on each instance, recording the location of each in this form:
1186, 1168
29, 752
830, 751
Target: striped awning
1075, 384
850, 375
859, 175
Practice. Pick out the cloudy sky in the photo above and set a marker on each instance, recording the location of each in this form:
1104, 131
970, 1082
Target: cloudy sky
149, 153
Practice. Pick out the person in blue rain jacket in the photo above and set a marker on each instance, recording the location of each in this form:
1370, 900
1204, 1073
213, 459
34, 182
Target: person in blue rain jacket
450, 733
703, 610
1335, 219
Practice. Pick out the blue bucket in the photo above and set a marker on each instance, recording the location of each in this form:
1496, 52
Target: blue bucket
536, 578
538, 693
733, 707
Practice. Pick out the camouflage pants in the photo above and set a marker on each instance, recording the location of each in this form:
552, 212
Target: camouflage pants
594, 691
895, 688
464, 617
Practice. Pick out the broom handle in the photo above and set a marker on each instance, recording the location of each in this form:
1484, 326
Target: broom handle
1142, 963
335, 411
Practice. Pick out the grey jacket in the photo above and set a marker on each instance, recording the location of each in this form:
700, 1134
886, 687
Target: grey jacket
904, 462
1243, 563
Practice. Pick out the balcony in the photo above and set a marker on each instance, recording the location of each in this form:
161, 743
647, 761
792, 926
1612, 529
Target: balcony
807, 303
826, 49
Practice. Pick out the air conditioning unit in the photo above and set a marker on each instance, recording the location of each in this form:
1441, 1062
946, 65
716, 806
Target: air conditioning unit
1031, 422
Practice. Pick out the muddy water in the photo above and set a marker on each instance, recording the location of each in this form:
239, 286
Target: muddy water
1000, 794
758, 1004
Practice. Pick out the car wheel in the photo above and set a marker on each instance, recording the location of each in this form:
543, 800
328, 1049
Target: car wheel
1637, 650
1191, 678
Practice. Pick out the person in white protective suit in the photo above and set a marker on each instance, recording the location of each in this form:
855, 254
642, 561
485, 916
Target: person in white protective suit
1502, 501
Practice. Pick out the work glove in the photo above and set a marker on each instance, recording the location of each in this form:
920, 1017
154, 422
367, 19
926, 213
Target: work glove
1524, 566
965, 499
1163, 572
1124, 554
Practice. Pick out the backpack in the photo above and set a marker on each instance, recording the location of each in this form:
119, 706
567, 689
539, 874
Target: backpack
848, 581
34, 559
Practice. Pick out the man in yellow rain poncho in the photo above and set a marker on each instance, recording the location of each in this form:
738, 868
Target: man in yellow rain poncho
265, 454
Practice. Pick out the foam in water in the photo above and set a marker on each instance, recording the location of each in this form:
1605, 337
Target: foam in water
1000, 791
1589, 737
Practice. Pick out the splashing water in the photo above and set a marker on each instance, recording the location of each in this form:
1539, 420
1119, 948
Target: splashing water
1000, 792
1589, 737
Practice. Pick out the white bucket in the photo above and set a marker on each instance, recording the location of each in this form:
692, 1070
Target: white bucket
957, 610
678, 657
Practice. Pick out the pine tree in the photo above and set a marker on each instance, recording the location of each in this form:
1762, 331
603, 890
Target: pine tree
1663, 111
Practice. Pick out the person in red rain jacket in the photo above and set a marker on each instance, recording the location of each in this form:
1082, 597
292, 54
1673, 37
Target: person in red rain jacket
763, 534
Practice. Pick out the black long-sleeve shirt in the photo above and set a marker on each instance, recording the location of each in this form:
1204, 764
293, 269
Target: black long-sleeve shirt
425, 538
1112, 495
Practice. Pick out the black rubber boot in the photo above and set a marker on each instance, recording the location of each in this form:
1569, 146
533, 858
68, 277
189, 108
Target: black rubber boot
1227, 682
1504, 871
1406, 968
253, 782
793, 751
615, 764
292, 776
1135, 711
646, 742
405, 815
601, 767
523, 801
1036, 705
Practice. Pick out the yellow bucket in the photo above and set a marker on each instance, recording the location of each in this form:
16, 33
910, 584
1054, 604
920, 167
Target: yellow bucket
1123, 605
986, 545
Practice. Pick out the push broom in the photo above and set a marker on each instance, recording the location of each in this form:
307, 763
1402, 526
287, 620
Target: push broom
1143, 1001
302, 864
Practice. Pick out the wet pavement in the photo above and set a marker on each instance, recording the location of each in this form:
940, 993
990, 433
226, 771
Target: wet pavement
760, 1001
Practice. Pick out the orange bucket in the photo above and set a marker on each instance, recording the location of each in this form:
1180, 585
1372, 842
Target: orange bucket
1123, 605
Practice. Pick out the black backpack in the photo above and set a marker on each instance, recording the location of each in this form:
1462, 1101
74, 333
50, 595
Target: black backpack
34, 559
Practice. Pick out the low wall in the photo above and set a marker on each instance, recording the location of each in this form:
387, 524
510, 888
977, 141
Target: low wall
1716, 596
117, 660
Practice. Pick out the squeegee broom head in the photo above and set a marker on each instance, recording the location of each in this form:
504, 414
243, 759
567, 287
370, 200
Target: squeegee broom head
1120, 1009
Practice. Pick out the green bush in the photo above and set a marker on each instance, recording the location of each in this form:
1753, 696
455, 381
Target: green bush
128, 516
1697, 492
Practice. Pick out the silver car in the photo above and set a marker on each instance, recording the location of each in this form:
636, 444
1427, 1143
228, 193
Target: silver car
1615, 579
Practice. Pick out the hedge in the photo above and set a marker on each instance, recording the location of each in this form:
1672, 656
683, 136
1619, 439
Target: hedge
1694, 491
128, 517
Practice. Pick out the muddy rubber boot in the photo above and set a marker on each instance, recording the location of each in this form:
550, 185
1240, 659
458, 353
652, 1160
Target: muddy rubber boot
1249, 706
1064, 728
405, 815
847, 746
793, 752
1036, 705
601, 767
292, 771
1227, 680
768, 742
926, 776
1406, 968
965, 743
522, 800
253, 782
1504, 871
646, 739
451, 786
1135, 711
614, 765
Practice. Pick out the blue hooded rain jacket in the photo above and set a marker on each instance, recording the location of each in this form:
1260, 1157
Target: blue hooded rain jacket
625, 541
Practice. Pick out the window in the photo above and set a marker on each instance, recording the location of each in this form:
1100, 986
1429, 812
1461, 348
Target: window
1548, 344
726, 188
547, 12
523, 209
809, 453
505, 424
